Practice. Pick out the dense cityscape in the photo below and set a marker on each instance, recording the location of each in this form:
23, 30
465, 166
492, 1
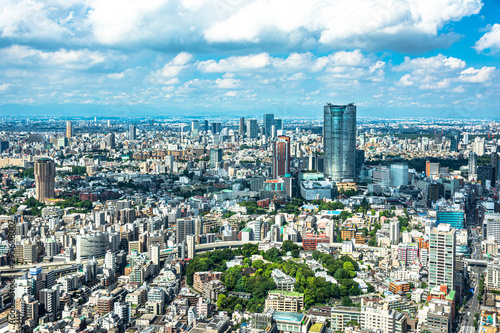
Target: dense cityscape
249, 166
249, 225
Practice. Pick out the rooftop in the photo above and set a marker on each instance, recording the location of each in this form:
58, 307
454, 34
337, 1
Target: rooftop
288, 316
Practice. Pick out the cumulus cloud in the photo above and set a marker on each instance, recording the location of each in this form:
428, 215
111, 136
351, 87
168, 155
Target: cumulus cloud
490, 40
477, 75
341, 23
227, 83
168, 74
441, 72
406, 81
235, 63
406, 25
69, 59
29, 20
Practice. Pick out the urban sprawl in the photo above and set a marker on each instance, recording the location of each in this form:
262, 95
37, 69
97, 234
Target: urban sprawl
192, 224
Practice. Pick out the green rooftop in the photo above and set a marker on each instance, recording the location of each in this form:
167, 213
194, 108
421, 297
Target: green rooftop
287, 293
450, 296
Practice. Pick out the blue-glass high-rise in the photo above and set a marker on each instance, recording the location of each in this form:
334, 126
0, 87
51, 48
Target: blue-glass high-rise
339, 130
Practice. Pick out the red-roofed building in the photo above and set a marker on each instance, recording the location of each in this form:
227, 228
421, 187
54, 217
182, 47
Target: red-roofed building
310, 242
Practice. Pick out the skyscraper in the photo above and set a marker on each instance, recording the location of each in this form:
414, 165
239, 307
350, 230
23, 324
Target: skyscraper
394, 232
454, 140
241, 128
185, 227
442, 247
131, 132
216, 127
215, 157
195, 125
281, 156
252, 128
279, 124
267, 122
399, 175
69, 129
110, 140
339, 130
191, 241
45, 172
472, 165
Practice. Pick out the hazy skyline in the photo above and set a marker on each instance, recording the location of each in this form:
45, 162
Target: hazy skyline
391, 58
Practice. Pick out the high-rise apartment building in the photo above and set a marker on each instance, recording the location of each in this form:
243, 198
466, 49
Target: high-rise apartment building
394, 232
154, 253
281, 156
45, 172
478, 147
69, 129
442, 247
267, 122
190, 243
339, 130
185, 227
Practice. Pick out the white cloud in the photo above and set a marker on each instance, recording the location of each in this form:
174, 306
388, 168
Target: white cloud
406, 81
477, 75
436, 64
116, 76
490, 40
340, 23
69, 59
235, 63
4, 87
441, 72
227, 83
168, 74
29, 19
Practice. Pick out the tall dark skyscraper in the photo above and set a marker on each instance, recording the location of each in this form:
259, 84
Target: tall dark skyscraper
241, 128
131, 132
454, 140
278, 123
252, 128
4, 145
339, 130
281, 156
45, 172
267, 122
216, 128
205, 126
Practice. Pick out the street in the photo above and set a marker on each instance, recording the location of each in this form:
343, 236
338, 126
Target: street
466, 319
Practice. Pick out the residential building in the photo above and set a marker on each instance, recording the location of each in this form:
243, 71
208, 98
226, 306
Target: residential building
442, 247
287, 301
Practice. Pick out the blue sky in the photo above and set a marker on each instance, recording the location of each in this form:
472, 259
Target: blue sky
398, 58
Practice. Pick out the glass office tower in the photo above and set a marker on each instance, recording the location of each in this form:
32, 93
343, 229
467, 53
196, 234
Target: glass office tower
339, 130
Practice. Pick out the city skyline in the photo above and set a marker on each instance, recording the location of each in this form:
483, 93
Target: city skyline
79, 58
